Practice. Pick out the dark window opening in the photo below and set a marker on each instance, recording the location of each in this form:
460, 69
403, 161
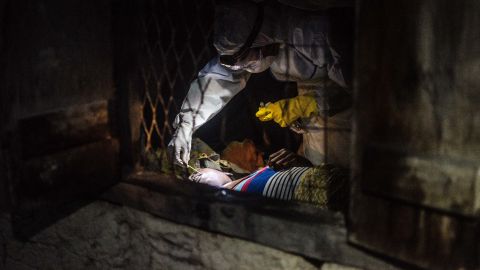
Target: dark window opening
177, 43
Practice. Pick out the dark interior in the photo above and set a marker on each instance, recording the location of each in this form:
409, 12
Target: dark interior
89, 91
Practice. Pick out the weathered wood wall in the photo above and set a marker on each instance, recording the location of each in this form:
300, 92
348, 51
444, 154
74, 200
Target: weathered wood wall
4, 201
417, 131
57, 133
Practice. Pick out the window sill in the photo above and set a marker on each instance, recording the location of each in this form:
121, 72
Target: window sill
288, 226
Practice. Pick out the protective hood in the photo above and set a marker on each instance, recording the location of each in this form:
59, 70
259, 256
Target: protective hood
234, 20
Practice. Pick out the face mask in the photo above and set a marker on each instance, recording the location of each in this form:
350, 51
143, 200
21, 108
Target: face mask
255, 62
260, 65
253, 57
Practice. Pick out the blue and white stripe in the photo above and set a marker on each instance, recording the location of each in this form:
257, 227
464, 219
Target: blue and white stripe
282, 185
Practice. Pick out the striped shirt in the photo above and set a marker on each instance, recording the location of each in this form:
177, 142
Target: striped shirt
268, 183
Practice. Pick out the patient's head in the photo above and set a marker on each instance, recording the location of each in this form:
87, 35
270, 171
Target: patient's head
243, 154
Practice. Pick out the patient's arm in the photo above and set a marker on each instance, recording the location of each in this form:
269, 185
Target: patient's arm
210, 177
285, 159
214, 178
232, 184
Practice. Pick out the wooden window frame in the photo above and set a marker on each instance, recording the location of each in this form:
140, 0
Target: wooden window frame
298, 228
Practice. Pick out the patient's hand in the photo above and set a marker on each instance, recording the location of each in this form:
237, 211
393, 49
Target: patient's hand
210, 177
285, 159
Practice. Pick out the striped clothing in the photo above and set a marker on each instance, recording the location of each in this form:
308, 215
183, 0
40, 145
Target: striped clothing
282, 185
267, 182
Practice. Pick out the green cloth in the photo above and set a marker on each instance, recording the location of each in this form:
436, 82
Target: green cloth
325, 186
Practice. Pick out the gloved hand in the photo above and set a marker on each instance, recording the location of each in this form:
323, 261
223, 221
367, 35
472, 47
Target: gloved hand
286, 111
181, 143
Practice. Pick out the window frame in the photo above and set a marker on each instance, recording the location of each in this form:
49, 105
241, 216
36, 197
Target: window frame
305, 230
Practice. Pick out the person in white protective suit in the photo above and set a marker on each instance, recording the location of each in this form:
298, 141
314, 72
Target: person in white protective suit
295, 44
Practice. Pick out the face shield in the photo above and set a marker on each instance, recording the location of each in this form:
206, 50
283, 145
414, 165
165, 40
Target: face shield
254, 60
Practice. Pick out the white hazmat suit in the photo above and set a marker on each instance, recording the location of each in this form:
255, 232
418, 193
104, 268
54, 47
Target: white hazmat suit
305, 56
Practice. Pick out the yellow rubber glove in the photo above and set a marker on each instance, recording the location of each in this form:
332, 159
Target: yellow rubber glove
286, 111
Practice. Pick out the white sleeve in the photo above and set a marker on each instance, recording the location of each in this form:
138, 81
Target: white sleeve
313, 42
335, 68
322, 54
209, 93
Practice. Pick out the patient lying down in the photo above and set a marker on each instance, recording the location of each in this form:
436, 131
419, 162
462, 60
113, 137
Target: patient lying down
286, 176
324, 185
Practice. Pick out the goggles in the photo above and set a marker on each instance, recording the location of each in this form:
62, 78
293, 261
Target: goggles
249, 61
251, 57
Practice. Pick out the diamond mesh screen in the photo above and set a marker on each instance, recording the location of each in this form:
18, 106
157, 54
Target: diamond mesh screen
175, 45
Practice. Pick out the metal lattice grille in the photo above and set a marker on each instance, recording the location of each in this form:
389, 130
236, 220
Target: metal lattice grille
175, 44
